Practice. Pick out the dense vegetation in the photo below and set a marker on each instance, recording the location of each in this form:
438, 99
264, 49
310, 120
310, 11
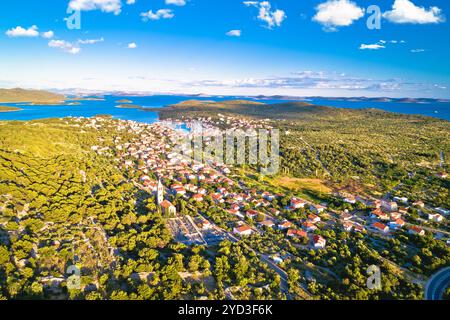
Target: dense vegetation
365, 151
62, 204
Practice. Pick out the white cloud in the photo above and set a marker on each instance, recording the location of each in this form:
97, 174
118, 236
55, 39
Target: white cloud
418, 50
374, 46
114, 6
317, 80
273, 18
65, 46
382, 44
131, 1
404, 11
176, 2
132, 45
48, 34
22, 32
234, 33
91, 41
337, 13
72, 47
160, 14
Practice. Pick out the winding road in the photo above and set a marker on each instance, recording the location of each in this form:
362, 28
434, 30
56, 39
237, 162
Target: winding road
437, 284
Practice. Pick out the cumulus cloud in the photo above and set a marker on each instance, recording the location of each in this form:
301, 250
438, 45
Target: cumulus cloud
234, 33
131, 1
160, 14
91, 41
273, 18
337, 13
382, 44
65, 46
48, 34
318, 80
72, 47
132, 45
109, 6
22, 32
374, 46
404, 11
176, 2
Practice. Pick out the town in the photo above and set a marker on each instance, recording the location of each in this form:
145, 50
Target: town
185, 191
154, 217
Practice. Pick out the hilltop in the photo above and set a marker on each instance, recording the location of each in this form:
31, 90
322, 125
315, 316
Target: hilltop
31, 96
245, 108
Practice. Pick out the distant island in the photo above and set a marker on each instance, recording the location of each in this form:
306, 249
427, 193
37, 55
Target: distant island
129, 106
9, 109
125, 101
354, 99
246, 108
62, 103
30, 96
88, 99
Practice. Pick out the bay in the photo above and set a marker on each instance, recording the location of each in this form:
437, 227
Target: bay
108, 106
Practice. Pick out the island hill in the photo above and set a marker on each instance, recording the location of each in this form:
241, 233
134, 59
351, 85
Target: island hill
286, 110
9, 109
124, 101
360, 150
40, 97
30, 96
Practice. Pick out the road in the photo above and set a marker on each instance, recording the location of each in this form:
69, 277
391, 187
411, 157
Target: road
284, 287
429, 229
389, 193
438, 283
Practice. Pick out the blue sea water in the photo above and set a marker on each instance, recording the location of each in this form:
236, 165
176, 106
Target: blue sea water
89, 108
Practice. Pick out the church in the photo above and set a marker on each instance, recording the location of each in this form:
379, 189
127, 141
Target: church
168, 209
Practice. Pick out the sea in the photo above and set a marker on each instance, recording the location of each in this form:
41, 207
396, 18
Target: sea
108, 106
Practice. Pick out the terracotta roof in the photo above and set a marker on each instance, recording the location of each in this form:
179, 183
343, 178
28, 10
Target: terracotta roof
298, 233
166, 204
379, 226
243, 228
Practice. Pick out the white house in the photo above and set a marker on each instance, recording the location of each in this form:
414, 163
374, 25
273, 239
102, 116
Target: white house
243, 230
389, 205
297, 203
317, 208
417, 231
319, 242
436, 217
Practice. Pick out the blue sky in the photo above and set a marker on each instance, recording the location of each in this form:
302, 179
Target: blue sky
292, 47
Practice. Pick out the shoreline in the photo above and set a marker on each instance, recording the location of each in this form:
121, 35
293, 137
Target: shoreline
4, 109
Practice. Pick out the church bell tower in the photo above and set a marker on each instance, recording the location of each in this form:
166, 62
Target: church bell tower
159, 193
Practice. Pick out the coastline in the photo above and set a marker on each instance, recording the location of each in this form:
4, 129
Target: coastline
4, 109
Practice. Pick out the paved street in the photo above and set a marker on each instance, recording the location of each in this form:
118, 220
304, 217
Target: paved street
438, 283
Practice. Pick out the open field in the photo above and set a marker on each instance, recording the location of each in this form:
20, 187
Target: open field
299, 185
